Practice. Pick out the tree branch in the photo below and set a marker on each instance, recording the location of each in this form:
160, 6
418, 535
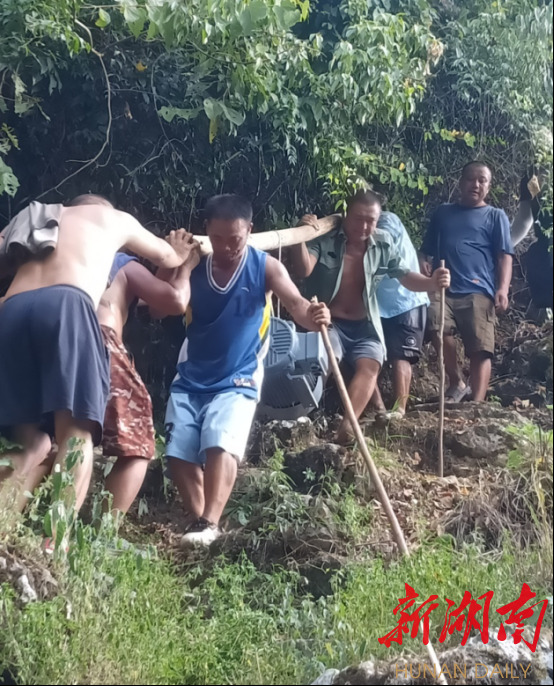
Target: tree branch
110, 118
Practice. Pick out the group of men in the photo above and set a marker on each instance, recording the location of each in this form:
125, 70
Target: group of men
64, 372
367, 271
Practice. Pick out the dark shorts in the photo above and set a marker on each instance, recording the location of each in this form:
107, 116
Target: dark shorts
472, 316
355, 340
52, 358
404, 334
128, 424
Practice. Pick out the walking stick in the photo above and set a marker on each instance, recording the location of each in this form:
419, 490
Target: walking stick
442, 379
374, 474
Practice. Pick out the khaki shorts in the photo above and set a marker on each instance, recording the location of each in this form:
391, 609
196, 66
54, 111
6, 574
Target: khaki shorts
472, 316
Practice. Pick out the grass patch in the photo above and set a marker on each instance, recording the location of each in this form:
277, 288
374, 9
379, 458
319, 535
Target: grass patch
122, 618
133, 621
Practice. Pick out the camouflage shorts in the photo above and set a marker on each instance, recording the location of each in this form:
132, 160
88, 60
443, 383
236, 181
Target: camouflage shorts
128, 424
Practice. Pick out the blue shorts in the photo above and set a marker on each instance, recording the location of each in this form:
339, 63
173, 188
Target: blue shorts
52, 358
356, 340
195, 422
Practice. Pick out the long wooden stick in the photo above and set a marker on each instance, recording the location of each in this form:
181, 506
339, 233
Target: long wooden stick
442, 381
374, 475
282, 238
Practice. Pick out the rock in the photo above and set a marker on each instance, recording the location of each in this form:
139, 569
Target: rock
268, 437
512, 390
27, 592
479, 442
327, 678
497, 662
532, 359
28, 577
472, 430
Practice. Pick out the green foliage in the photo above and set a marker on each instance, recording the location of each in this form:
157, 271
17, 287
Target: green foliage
532, 461
292, 103
126, 620
270, 508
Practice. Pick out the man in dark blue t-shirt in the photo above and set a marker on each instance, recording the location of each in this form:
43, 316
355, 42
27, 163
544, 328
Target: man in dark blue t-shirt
474, 240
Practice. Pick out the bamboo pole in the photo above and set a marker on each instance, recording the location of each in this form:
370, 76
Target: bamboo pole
282, 238
374, 475
442, 380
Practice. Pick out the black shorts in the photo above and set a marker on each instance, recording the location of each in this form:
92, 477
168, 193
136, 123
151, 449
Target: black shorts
404, 334
52, 358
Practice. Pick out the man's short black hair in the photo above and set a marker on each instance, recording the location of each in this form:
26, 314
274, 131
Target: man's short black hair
89, 199
365, 196
475, 163
228, 207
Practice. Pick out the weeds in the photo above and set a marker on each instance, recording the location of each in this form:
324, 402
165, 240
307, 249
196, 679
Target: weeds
133, 618
130, 621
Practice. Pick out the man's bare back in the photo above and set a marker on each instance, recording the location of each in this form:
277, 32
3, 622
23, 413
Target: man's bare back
89, 237
349, 301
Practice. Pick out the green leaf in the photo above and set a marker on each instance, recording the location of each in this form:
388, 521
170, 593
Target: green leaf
245, 19
135, 18
169, 113
8, 180
232, 115
47, 523
287, 16
469, 139
103, 18
399, 118
212, 108
258, 11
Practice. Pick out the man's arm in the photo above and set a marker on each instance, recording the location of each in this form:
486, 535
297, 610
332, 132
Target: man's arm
504, 250
168, 253
178, 279
439, 279
504, 268
309, 315
163, 297
303, 261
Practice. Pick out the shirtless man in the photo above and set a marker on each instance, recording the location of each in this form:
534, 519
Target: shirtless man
54, 372
344, 268
128, 424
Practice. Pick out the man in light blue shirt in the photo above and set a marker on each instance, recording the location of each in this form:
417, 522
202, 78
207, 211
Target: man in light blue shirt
403, 316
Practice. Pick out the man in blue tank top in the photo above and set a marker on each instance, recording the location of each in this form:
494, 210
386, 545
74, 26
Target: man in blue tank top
220, 368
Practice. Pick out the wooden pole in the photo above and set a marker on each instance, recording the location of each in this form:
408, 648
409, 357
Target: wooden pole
442, 380
282, 238
374, 475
